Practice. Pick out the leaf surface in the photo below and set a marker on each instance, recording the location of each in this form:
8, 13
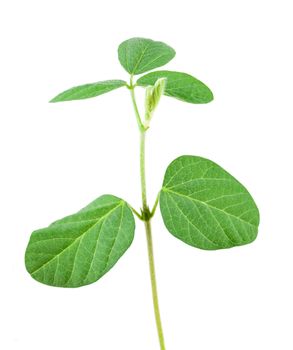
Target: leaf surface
88, 90
139, 55
179, 85
79, 249
206, 207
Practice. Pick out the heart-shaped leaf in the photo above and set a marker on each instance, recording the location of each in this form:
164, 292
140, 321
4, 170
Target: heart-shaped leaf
179, 85
88, 90
79, 249
205, 206
139, 55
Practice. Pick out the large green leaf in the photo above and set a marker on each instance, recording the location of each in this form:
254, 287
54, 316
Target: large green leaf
139, 55
205, 206
179, 85
79, 249
89, 90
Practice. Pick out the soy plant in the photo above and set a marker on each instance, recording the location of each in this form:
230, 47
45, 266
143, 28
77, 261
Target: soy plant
200, 202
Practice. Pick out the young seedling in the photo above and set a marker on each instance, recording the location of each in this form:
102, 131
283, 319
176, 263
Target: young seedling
201, 203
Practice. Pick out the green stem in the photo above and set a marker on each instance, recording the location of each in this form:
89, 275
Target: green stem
146, 217
148, 231
142, 173
147, 221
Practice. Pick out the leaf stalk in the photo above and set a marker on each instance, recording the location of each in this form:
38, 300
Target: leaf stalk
155, 205
138, 118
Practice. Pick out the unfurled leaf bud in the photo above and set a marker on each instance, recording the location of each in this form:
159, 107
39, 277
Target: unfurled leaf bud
158, 90
152, 98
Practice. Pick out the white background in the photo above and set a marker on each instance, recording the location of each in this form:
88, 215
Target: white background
56, 158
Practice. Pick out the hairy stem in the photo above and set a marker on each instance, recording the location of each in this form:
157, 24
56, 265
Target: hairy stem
146, 217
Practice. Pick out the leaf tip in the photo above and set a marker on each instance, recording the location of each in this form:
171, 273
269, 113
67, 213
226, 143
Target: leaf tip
210, 97
54, 99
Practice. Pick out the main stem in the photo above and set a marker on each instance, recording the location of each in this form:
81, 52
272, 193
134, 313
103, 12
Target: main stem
146, 217
148, 230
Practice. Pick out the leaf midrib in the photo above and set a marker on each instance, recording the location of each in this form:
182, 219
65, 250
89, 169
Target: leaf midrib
199, 179
151, 62
208, 205
89, 88
140, 58
96, 247
197, 229
79, 238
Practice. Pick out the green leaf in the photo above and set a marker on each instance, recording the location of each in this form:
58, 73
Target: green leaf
139, 55
89, 90
182, 86
79, 249
205, 206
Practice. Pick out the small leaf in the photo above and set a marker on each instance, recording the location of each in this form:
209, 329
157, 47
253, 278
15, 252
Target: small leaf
182, 86
139, 55
79, 249
89, 90
205, 206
